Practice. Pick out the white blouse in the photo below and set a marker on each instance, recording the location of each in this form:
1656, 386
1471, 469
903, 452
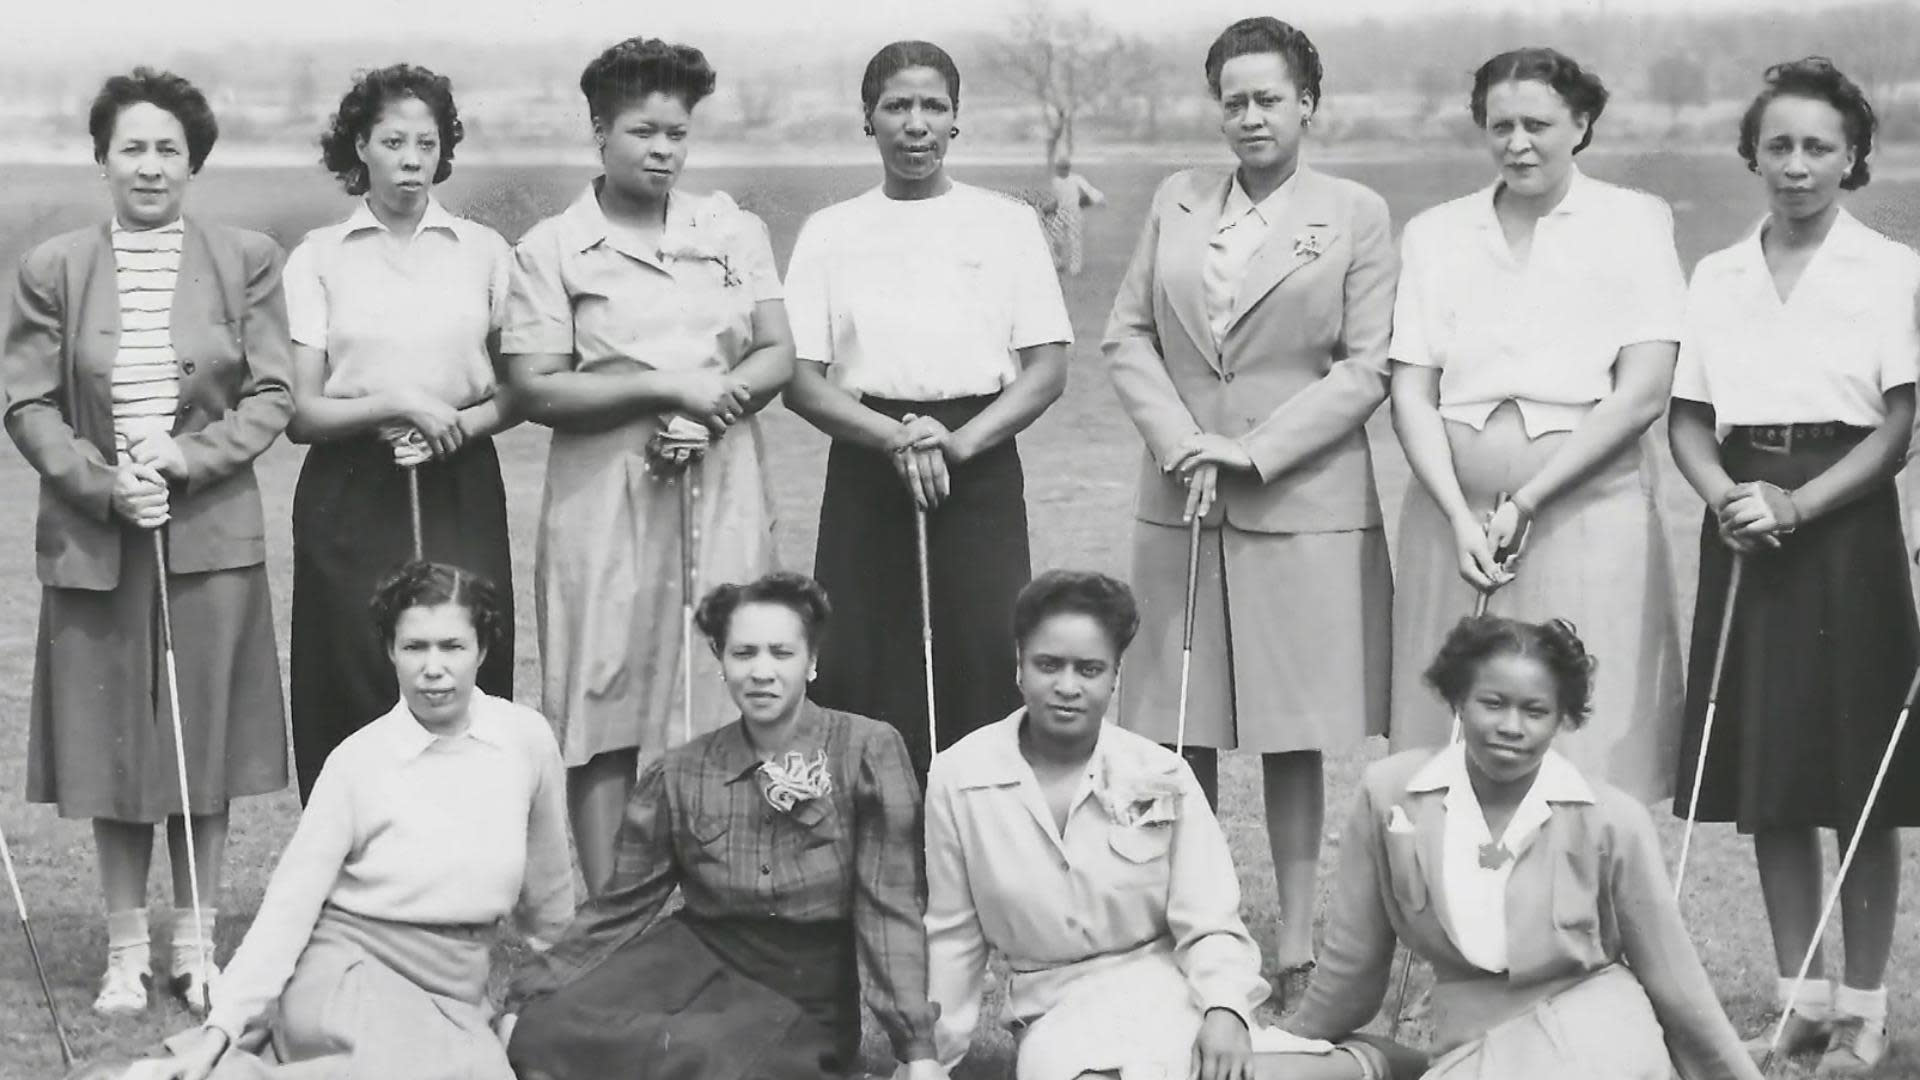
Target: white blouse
1602, 274
1243, 228
924, 299
1829, 352
1473, 871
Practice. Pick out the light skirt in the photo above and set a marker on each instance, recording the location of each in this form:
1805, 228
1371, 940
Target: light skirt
1602, 1028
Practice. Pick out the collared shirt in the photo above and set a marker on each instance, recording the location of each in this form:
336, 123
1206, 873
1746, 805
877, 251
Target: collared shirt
582, 288
408, 826
1477, 892
146, 374
1063, 904
395, 311
923, 299
1602, 274
1243, 227
1830, 351
699, 820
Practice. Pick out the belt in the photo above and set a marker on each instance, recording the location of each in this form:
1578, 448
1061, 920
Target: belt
1780, 438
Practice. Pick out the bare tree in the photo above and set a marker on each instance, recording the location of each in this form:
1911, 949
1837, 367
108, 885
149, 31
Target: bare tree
1066, 64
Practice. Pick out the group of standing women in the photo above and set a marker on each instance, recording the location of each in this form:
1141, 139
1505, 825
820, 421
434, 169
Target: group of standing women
1527, 335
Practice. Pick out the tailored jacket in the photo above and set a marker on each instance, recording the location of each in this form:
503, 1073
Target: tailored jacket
1302, 365
229, 331
1589, 891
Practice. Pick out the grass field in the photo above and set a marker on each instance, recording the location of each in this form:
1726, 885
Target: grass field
1079, 459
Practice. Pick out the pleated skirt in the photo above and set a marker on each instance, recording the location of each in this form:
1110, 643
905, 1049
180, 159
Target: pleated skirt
1597, 557
352, 526
977, 562
1821, 651
1292, 642
100, 742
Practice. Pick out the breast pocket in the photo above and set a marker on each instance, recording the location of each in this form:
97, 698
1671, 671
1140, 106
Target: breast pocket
1576, 901
1141, 845
707, 836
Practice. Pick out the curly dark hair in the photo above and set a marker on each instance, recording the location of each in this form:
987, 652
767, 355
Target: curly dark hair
629, 71
1478, 638
430, 584
1266, 34
898, 57
1582, 90
1105, 600
360, 110
797, 593
164, 90
1817, 79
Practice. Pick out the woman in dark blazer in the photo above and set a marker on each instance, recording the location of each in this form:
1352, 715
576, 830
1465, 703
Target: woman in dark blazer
145, 366
1249, 345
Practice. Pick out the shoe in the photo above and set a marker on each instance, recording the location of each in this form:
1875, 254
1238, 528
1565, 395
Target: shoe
123, 989
186, 983
1855, 1050
1804, 1034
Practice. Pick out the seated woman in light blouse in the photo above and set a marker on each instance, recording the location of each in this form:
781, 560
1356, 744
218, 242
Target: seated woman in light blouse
370, 952
792, 836
1533, 345
1539, 896
1801, 350
1089, 858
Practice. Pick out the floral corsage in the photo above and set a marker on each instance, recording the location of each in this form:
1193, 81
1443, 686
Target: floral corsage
695, 253
1307, 246
795, 779
1136, 799
680, 442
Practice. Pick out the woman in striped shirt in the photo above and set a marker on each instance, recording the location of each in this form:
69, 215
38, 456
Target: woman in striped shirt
145, 366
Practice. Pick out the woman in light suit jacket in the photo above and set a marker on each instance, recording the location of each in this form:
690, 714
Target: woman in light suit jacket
1540, 897
146, 366
1249, 345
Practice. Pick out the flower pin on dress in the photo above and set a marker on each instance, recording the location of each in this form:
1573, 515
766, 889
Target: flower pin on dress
1307, 246
793, 779
1138, 800
691, 252
1494, 855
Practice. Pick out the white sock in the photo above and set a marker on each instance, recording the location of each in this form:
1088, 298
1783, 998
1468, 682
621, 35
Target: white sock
127, 938
1815, 999
1869, 1005
188, 939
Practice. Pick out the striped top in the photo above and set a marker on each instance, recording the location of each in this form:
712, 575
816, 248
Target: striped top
146, 376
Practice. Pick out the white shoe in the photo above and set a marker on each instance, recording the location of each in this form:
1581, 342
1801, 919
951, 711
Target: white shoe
1856, 1048
123, 989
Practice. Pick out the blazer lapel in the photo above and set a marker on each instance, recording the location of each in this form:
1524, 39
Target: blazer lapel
1430, 823
100, 308
1189, 229
1304, 233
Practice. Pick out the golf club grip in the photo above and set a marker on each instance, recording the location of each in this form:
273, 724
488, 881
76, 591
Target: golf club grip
413, 511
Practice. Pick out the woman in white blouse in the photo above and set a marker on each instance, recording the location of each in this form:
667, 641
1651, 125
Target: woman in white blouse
930, 332
1088, 857
1533, 345
394, 315
1801, 349
370, 953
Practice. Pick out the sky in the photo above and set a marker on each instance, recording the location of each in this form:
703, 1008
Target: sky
74, 22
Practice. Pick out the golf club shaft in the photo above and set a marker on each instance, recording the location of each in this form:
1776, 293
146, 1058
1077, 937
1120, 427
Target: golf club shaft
1706, 728
1186, 631
413, 508
687, 601
926, 625
180, 761
33, 953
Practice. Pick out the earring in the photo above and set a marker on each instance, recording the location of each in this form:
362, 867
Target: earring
812, 675
953, 132
867, 130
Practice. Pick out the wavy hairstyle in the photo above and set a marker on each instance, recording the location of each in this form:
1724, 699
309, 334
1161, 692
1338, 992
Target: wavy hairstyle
797, 593
430, 584
1478, 638
372, 91
630, 71
1584, 93
1103, 599
162, 89
1815, 78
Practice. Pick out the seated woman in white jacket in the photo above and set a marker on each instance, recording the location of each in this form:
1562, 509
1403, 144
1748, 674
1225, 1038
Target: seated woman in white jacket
1088, 857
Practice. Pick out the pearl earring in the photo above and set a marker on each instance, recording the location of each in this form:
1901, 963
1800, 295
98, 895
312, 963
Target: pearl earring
953, 132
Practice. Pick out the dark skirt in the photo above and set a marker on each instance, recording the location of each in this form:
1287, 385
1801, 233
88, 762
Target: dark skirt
703, 999
978, 561
1822, 648
351, 528
101, 727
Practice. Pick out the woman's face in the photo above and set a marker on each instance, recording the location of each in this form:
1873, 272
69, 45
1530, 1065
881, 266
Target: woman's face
1802, 154
766, 661
912, 123
401, 153
1262, 113
644, 146
1531, 134
436, 656
1068, 667
146, 166
1510, 716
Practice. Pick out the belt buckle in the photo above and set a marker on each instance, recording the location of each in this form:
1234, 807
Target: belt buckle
1772, 438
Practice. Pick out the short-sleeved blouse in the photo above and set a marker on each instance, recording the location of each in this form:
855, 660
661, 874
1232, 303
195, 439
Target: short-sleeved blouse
924, 299
392, 312
1829, 352
576, 291
1602, 274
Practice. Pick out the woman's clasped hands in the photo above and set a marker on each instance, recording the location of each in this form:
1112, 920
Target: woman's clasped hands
1754, 516
141, 482
923, 450
1197, 460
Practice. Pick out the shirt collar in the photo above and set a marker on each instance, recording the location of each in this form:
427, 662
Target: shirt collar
1239, 203
1577, 200
1848, 239
1558, 781
434, 217
1003, 764
177, 225
739, 760
586, 224
408, 740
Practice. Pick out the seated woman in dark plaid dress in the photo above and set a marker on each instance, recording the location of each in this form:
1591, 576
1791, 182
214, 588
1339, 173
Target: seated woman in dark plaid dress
792, 835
